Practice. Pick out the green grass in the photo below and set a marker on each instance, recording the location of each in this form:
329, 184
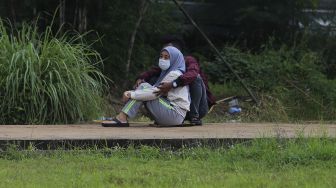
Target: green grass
262, 163
227, 89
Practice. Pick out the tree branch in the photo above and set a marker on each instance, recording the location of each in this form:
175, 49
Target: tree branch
143, 8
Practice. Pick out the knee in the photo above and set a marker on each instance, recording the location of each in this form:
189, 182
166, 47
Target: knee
198, 80
196, 84
144, 85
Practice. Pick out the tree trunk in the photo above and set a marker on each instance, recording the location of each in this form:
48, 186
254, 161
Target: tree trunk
82, 16
142, 10
76, 14
61, 13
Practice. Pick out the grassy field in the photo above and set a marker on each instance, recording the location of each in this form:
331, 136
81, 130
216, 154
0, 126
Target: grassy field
260, 163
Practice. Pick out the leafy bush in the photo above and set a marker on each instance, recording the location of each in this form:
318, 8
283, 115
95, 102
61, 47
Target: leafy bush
44, 79
293, 75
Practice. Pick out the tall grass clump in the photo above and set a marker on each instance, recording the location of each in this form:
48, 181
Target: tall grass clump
47, 79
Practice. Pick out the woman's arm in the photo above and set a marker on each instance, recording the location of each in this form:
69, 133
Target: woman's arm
145, 92
173, 75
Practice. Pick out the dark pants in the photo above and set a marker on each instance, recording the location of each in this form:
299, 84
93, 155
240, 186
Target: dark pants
199, 104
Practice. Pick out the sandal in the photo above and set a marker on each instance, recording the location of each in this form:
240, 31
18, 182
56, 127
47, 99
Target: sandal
114, 123
196, 121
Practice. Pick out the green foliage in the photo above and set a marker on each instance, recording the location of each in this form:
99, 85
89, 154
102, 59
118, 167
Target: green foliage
292, 75
228, 89
267, 69
325, 43
47, 79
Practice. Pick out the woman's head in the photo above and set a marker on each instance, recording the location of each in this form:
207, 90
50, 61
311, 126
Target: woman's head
164, 54
164, 61
171, 59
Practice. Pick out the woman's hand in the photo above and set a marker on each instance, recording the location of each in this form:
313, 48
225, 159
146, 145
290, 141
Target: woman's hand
126, 96
164, 88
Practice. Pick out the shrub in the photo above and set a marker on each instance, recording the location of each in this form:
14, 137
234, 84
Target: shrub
292, 75
46, 79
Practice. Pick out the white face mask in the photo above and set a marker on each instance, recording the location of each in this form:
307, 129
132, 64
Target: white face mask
164, 64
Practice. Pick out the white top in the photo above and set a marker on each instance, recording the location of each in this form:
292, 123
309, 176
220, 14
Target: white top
178, 97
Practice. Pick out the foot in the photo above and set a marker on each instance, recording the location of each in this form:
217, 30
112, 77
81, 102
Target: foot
155, 124
195, 121
115, 122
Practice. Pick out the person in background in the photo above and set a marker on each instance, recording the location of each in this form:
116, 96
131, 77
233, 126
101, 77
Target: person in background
201, 97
